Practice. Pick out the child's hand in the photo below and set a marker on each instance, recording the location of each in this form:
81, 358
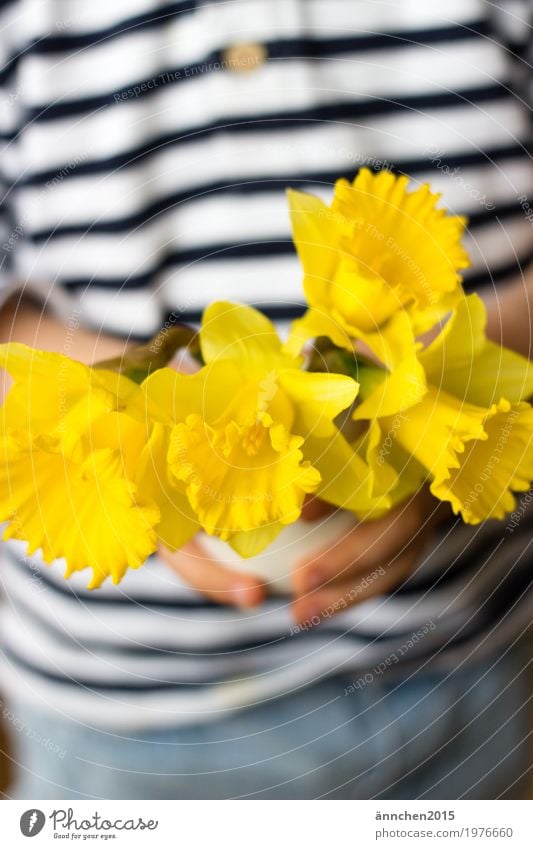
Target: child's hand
213, 579
373, 558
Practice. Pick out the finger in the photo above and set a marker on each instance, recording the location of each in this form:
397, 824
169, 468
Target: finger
325, 603
315, 508
355, 551
367, 546
213, 579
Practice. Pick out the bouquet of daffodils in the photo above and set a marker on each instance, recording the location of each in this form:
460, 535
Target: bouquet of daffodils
386, 383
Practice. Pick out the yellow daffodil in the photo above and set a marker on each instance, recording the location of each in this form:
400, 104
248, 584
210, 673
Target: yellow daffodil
377, 250
390, 386
470, 431
251, 433
462, 361
71, 436
53, 394
177, 520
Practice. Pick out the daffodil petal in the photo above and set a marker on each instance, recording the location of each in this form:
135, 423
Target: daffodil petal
238, 332
481, 485
119, 432
172, 396
436, 430
395, 473
345, 476
315, 234
394, 345
178, 522
126, 392
398, 391
465, 363
313, 324
319, 398
251, 543
403, 381
425, 319
55, 395
416, 242
239, 478
50, 390
87, 513
380, 248
23, 363
382, 478
363, 299
460, 341
411, 476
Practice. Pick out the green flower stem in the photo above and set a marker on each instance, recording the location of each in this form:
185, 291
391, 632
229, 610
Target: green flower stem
326, 357
138, 361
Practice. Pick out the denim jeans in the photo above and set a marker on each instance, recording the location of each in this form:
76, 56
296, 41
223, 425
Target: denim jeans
432, 737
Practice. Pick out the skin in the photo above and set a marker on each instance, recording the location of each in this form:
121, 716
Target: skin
371, 559
345, 573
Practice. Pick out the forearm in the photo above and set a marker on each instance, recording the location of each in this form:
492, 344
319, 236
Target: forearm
26, 322
510, 315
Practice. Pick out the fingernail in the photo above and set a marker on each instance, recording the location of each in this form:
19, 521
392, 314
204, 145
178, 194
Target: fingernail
314, 580
310, 616
244, 596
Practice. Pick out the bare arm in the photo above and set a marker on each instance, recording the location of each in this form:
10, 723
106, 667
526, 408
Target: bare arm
510, 315
24, 321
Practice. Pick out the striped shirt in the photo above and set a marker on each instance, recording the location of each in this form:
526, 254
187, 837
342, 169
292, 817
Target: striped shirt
143, 174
